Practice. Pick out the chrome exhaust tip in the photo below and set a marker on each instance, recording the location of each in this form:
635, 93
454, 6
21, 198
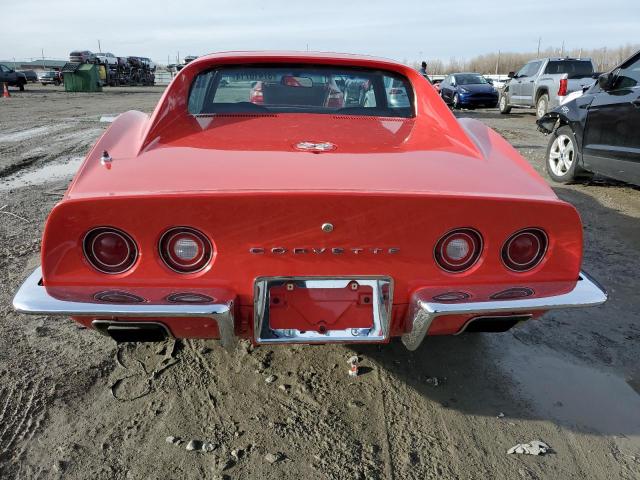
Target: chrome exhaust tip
122, 331
493, 323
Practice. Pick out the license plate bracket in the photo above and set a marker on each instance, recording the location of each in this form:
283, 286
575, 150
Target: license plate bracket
322, 310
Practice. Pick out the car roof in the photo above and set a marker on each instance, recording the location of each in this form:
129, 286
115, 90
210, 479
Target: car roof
557, 59
258, 55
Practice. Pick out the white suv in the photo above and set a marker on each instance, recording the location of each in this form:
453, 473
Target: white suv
107, 58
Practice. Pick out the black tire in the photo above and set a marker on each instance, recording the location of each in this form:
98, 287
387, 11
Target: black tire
503, 104
557, 158
21, 86
542, 105
44, 84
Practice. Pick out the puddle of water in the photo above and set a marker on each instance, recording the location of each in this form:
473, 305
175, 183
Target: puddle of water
576, 395
44, 174
23, 134
108, 118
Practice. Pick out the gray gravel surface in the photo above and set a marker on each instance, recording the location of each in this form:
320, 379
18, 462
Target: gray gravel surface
75, 406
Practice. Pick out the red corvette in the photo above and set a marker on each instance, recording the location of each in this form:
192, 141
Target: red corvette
303, 218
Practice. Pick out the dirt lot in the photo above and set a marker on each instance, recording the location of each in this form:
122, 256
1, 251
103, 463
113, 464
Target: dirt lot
74, 406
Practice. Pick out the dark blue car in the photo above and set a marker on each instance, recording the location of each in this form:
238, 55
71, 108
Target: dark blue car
468, 90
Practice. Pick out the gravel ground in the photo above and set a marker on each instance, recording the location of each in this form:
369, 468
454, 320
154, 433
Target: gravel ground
75, 406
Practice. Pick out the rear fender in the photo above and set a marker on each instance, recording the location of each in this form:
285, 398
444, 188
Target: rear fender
121, 141
550, 121
541, 91
573, 113
566, 114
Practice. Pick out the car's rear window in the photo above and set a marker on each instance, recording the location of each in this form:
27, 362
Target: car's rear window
470, 79
575, 68
301, 89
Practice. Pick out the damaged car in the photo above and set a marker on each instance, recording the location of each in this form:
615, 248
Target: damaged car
289, 216
597, 132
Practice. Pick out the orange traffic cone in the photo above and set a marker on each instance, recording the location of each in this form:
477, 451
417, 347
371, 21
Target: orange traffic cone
5, 91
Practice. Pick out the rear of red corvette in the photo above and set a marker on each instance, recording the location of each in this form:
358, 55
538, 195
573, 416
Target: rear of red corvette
315, 220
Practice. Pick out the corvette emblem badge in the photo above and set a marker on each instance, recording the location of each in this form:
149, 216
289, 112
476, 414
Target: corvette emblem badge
315, 147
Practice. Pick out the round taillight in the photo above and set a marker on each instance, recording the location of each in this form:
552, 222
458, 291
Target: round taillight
524, 249
110, 250
458, 250
185, 249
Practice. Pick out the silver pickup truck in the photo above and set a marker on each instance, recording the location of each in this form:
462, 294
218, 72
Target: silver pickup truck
544, 82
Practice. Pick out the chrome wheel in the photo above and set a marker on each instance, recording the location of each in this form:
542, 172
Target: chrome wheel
456, 101
542, 107
503, 104
561, 155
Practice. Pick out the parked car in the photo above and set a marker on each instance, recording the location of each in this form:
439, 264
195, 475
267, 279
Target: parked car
30, 75
468, 90
82, 56
396, 94
51, 77
149, 63
12, 78
297, 221
135, 62
597, 132
355, 90
314, 88
496, 83
106, 58
542, 83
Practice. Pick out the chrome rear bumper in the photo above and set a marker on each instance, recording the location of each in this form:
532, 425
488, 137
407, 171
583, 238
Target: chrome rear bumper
423, 310
32, 298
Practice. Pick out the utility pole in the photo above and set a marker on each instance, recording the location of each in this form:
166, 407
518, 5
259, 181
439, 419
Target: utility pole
42, 51
498, 63
562, 51
99, 47
178, 58
539, 40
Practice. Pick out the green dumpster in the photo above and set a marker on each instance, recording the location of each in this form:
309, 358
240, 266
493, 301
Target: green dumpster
84, 78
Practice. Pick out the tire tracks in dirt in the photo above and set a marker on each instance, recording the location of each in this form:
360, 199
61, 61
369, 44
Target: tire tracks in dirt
385, 427
45, 144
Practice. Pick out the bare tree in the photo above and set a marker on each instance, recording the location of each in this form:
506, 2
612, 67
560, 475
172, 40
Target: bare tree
603, 59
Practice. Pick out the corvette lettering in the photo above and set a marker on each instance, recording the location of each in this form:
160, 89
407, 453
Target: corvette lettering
324, 250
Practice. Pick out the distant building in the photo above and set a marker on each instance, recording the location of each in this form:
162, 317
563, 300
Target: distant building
35, 64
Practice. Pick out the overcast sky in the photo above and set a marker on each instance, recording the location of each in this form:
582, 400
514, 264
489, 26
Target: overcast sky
400, 29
